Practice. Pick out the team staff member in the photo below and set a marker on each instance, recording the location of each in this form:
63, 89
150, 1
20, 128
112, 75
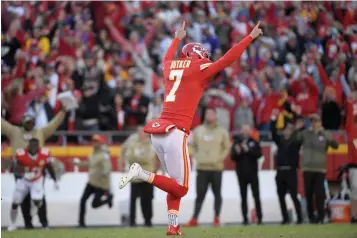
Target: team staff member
18, 138
315, 142
138, 150
246, 151
351, 128
287, 164
210, 147
99, 172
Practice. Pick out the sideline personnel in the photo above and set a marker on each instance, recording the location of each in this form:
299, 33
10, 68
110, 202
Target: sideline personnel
210, 147
315, 142
246, 151
287, 164
137, 149
99, 171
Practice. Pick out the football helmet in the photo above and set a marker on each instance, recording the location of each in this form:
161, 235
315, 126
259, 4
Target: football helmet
195, 49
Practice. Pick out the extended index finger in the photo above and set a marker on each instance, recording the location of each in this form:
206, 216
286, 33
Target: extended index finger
257, 24
183, 25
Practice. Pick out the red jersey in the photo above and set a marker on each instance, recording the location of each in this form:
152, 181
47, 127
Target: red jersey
186, 79
351, 130
33, 165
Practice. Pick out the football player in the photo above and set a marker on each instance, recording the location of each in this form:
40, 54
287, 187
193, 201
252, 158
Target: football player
31, 162
185, 81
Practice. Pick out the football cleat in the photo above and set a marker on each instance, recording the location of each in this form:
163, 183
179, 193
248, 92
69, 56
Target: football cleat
174, 231
216, 222
12, 227
133, 174
192, 223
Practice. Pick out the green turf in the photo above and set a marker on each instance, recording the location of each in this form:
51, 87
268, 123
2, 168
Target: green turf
318, 231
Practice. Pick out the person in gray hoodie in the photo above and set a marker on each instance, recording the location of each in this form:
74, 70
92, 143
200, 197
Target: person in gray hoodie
315, 141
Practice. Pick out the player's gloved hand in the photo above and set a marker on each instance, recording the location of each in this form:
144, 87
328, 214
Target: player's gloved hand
256, 31
56, 186
181, 32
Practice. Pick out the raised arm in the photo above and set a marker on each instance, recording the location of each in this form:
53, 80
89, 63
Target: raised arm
346, 88
53, 124
115, 34
228, 58
233, 54
179, 35
150, 35
7, 129
350, 114
323, 75
171, 51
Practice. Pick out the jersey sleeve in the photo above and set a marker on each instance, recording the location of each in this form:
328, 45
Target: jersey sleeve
46, 153
205, 64
227, 59
171, 51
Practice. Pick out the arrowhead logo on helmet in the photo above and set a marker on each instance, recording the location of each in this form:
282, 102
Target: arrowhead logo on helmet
195, 49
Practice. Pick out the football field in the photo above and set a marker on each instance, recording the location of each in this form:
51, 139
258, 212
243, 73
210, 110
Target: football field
308, 231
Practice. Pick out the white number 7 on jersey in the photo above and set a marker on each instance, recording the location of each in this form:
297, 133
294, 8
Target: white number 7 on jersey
177, 76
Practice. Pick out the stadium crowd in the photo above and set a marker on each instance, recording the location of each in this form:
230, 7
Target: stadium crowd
109, 54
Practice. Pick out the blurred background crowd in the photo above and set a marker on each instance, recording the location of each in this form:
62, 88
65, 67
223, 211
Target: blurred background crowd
109, 55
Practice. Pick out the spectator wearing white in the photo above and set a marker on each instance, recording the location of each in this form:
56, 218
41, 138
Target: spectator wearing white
170, 15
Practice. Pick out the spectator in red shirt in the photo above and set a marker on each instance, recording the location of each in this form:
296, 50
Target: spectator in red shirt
307, 95
136, 106
333, 81
18, 102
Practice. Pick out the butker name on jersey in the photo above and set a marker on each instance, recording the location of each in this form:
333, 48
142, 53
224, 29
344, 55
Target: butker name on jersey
180, 64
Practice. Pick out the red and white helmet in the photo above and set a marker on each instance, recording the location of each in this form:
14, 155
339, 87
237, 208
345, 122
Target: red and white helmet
195, 49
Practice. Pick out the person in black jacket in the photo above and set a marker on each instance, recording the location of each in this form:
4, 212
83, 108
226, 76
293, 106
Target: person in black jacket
246, 151
287, 163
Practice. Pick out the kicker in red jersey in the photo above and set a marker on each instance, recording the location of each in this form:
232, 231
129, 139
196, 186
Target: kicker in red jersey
185, 81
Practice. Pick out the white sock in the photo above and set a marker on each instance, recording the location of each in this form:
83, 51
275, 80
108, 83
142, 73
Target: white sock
146, 175
13, 216
173, 219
